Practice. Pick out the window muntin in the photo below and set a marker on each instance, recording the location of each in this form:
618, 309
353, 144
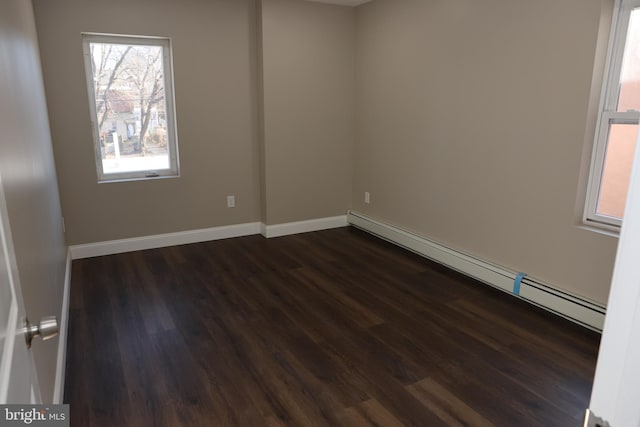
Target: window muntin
130, 88
617, 128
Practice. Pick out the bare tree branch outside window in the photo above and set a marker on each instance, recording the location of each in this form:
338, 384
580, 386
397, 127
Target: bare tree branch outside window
129, 94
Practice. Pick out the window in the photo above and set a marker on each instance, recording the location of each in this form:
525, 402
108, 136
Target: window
618, 118
130, 85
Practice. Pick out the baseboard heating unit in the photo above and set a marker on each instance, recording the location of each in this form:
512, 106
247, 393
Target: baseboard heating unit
577, 309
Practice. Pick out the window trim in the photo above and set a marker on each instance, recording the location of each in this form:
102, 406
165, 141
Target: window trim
607, 114
172, 134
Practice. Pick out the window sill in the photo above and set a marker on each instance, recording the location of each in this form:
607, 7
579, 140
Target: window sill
142, 178
607, 230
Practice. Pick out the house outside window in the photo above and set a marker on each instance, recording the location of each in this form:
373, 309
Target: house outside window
130, 85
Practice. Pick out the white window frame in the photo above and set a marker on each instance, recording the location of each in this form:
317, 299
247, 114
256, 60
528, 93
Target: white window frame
174, 165
607, 113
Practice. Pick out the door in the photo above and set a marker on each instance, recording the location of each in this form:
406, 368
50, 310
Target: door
616, 387
18, 379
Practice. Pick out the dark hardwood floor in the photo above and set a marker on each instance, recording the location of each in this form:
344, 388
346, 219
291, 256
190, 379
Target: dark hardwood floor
333, 328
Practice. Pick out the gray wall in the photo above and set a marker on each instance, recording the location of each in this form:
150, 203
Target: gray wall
471, 121
214, 70
302, 161
29, 179
308, 83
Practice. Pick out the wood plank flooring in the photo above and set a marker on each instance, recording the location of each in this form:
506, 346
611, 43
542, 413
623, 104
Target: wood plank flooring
333, 328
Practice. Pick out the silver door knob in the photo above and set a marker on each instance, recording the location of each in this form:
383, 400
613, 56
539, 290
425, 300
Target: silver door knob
47, 328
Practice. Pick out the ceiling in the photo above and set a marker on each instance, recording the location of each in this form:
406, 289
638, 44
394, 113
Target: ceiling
343, 2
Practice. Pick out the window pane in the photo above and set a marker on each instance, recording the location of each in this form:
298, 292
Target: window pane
630, 76
617, 170
128, 84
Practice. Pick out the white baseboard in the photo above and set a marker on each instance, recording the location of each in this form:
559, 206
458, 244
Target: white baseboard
286, 229
163, 240
204, 235
572, 307
58, 388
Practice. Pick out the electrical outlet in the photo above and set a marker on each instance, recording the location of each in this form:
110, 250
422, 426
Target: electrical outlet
231, 201
367, 197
